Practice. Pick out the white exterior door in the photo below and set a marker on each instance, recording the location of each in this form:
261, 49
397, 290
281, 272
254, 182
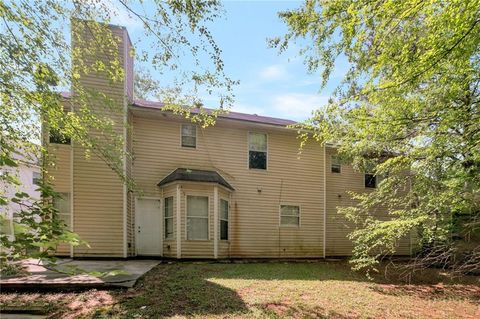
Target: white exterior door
148, 227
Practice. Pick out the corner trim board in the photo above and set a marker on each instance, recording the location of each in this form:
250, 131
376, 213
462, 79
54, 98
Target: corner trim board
179, 222
215, 221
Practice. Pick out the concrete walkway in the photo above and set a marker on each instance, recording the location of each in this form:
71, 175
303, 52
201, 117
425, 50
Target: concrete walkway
81, 274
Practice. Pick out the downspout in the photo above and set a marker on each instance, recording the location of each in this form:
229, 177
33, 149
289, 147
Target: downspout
324, 199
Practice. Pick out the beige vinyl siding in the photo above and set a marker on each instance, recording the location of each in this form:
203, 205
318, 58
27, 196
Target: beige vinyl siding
338, 186
59, 175
59, 171
98, 191
254, 223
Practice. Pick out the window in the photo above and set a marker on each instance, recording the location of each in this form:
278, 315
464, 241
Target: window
57, 138
168, 217
36, 178
336, 166
62, 204
223, 219
189, 135
289, 215
257, 150
370, 181
6, 225
197, 218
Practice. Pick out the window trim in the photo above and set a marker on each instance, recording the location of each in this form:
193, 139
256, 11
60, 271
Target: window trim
280, 215
227, 220
181, 136
332, 164
165, 218
199, 194
248, 151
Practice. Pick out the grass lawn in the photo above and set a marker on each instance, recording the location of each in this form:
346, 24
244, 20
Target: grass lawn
264, 290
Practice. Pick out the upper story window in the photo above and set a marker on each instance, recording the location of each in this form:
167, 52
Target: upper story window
36, 178
55, 137
370, 180
223, 219
336, 166
168, 217
189, 135
257, 150
289, 215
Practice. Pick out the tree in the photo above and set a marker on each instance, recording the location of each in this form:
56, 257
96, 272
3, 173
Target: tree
37, 61
408, 109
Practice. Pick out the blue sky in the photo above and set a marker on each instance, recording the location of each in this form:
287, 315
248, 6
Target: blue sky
270, 84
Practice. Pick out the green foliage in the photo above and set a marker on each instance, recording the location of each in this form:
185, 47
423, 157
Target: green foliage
408, 107
39, 57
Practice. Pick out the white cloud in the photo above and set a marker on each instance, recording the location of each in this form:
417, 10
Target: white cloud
297, 106
274, 73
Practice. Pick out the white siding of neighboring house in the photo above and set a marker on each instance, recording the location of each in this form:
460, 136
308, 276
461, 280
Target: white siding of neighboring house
24, 173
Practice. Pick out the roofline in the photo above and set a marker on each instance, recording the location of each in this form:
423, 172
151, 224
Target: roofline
263, 120
178, 181
223, 117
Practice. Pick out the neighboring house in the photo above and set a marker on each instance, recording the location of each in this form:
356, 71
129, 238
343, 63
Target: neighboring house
28, 174
239, 189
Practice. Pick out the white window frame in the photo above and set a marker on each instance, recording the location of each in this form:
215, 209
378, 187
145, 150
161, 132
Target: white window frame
33, 177
165, 219
333, 159
248, 151
221, 219
280, 215
187, 217
181, 136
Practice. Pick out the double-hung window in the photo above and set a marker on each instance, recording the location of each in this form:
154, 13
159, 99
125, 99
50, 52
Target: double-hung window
257, 150
223, 219
56, 137
36, 178
168, 217
197, 218
189, 135
289, 215
336, 166
62, 204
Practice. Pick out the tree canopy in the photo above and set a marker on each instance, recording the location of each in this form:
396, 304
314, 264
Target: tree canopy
408, 110
38, 61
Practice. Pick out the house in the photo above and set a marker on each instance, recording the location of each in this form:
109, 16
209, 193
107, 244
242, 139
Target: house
28, 175
239, 189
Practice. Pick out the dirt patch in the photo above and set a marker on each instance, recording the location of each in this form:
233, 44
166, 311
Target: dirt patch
438, 291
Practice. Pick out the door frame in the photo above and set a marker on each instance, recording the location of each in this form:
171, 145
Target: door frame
160, 199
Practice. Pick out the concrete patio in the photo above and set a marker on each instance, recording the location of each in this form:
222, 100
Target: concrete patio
80, 274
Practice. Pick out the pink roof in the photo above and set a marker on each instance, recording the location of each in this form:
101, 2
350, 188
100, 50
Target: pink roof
230, 115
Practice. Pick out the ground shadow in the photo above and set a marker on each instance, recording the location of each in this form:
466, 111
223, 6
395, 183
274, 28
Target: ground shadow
176, 290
